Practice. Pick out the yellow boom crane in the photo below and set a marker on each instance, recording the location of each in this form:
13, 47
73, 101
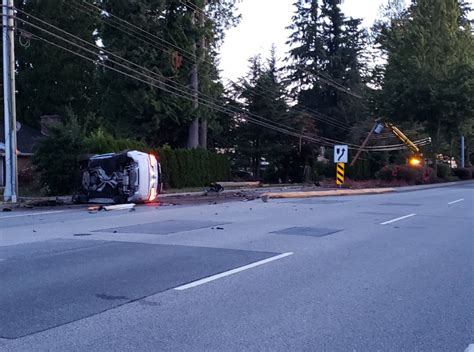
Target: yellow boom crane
416, 160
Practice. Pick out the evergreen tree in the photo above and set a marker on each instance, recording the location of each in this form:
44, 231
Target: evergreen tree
131, 108
177, 47
327, 62
263, 94
49, 80
429, 76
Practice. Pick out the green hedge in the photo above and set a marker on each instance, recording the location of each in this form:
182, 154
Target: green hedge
463, 173
100, 142
192, 168
444, 171
57, 160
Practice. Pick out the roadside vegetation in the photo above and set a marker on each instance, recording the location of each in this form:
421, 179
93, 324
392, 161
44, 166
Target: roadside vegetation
154, 85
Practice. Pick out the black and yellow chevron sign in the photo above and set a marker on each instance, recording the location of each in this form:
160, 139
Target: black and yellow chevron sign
340, 173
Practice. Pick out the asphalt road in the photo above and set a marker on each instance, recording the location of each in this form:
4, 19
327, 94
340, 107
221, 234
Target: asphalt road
391, 272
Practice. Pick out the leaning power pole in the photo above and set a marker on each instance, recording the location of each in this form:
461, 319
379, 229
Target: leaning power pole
9, 103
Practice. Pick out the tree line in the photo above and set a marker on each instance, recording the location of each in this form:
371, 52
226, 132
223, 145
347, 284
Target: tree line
153, 77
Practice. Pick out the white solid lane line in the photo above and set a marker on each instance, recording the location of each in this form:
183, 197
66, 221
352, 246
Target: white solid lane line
31, 214
397, 219
231, 272
470, 348
456, 201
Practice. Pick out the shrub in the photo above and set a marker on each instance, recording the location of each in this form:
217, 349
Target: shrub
26, 176
407, 174
56, 158
365, 168
327, 170
192, 168
443, 171
472, 171
169, 165
429, 175
101, 142
463, 173
360, 170
386, 173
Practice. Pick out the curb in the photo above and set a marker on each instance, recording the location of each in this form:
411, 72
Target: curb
343, 192
431, 186
351, 192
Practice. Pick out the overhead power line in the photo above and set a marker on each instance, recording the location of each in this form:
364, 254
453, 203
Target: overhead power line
158, 83
160, 43
263, 124
144, 78
136, 28
335, 122
329, 81
313, 114
181, 88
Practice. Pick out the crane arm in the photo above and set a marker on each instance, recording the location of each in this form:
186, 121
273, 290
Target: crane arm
400, 135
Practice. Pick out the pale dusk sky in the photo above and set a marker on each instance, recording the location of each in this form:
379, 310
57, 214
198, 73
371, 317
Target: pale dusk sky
264, 23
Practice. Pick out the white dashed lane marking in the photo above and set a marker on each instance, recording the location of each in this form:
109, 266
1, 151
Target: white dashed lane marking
397, 219
456, 201
231, 272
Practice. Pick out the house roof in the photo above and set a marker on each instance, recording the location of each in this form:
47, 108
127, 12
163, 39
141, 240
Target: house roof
27, 139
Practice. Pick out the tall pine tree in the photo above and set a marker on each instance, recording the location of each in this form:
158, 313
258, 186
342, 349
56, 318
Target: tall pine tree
262, 94
429, 76
326, 62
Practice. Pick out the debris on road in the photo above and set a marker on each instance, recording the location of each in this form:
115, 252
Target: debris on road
213, 188
128, 206
96, 208
240, 184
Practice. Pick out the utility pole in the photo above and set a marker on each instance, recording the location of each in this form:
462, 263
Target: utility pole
463, 157
204, 126
193, 131
9, 102
361, 148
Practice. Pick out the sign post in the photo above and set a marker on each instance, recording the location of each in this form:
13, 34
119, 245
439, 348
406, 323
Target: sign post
341, 158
